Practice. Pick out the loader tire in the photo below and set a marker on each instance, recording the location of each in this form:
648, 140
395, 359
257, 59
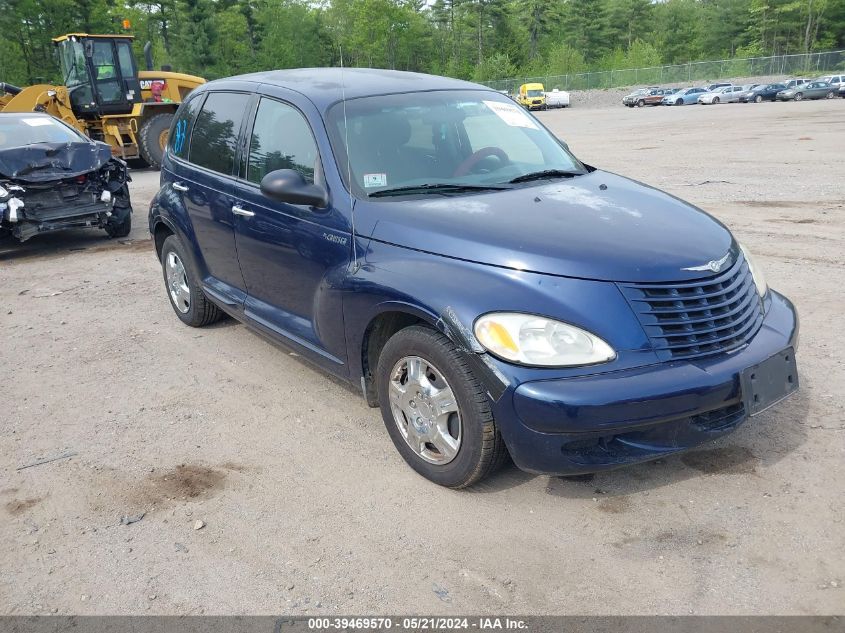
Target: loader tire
153, 138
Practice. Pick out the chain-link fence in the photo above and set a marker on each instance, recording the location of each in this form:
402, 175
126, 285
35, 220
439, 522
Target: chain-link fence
811, 64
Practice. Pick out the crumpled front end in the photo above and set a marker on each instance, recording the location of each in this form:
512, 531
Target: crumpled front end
55, 188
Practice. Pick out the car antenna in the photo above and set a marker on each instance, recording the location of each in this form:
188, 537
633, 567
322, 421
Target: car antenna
348, 163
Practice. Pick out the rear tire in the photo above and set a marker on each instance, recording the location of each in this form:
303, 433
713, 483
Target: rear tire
441, 369
153, 138
183, 287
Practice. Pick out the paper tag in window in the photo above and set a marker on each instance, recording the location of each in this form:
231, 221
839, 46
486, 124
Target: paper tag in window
375, 180
511, 114
37, 122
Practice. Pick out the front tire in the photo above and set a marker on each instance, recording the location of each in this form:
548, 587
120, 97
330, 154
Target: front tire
829, 95
436, 411
153, 138
183, 288
799, 97
121, 228
679, 102
120, 223
758, 99
640, 103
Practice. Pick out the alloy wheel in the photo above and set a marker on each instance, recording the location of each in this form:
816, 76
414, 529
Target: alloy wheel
177, 282
425, 410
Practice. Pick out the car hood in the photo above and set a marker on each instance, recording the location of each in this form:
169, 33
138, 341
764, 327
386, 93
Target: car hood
44, 162
597, 226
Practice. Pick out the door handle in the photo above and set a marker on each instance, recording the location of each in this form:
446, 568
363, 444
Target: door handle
178, 186
238, 210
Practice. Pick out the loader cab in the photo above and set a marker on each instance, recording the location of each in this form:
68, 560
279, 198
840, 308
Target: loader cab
99, 72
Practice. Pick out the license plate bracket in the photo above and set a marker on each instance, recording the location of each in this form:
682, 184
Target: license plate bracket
769, 382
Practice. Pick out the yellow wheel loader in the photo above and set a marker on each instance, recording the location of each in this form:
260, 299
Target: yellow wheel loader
105, 96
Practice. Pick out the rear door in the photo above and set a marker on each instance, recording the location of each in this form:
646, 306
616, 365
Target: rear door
204, 181
290, 255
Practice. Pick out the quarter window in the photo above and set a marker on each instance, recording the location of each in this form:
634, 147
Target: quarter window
281, 139
215, 135
181, 130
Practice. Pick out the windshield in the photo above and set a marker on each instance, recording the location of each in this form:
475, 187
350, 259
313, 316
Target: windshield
535, 93
72, 58
17, 131
474, 138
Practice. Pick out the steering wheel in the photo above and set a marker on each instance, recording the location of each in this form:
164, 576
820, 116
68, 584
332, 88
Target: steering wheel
471, 161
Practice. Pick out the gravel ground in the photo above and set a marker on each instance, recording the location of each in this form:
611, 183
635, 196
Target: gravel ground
213, 472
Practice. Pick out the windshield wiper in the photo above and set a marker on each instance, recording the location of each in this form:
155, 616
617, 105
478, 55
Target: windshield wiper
444, 187
546, 173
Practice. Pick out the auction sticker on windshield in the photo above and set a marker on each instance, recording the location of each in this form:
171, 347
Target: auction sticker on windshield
511, 114
375, 180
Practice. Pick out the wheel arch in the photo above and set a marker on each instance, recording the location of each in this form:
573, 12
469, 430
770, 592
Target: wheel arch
161, 231
388, 319
162, 226
392, 316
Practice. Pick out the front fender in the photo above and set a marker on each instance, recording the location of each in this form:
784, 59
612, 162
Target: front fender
450, 294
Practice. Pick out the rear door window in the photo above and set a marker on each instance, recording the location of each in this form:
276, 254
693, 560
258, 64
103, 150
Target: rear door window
215, 135
281, 139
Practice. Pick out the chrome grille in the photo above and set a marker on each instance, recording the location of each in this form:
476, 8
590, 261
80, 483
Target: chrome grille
701, 317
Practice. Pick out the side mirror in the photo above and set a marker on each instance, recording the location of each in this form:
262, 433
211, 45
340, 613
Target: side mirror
288, 185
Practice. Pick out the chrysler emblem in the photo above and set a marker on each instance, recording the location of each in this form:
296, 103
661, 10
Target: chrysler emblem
715, 265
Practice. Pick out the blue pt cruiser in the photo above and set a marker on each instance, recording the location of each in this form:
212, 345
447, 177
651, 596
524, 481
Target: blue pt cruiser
432, 243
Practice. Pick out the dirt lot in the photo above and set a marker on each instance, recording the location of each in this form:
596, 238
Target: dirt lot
307, 507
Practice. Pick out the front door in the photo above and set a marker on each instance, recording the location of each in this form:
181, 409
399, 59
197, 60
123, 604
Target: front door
292, 256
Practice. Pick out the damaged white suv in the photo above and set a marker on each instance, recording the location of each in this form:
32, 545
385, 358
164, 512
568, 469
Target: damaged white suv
52, 177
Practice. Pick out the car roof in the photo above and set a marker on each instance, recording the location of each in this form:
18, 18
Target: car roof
325, 86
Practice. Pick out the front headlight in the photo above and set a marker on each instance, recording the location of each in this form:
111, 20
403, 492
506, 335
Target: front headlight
529, 339
756, 272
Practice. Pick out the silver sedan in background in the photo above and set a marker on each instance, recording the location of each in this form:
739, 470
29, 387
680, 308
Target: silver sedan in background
726, 94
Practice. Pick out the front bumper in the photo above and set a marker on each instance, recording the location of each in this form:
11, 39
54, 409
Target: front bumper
593, 423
